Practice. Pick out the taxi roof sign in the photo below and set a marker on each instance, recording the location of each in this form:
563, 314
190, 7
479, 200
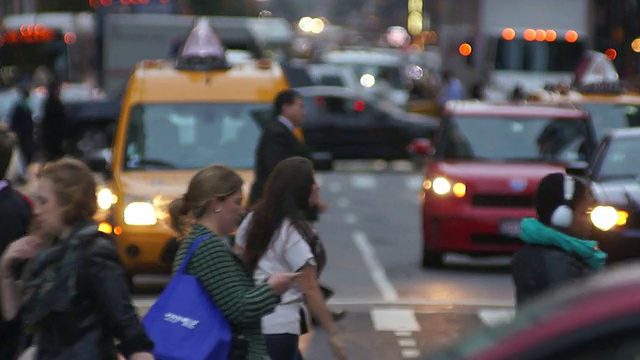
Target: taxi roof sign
596, 74
202, 50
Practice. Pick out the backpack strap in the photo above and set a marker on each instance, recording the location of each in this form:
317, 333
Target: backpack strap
183, 265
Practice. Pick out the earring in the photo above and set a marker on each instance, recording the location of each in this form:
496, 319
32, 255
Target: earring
217, 210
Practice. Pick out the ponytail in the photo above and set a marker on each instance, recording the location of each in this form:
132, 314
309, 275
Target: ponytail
178, 211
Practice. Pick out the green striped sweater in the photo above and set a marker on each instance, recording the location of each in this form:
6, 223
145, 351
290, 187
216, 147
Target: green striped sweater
230, 286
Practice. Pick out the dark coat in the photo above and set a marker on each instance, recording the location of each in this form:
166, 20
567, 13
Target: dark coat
276, 143
15, 217
537, 269
54, 127
100, 311
22, 125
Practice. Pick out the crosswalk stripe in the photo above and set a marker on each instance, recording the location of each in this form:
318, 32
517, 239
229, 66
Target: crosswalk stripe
390, 319
495, 317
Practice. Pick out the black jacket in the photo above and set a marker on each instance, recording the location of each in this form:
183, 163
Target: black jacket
276, 143
100, 312
15, 216
537, 269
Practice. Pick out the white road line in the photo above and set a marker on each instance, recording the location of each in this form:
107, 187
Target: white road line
410, 353
403, 333
376, 270
342, 202
335, 187
483, 303
495, 317
390, 319
363, 182
504, 306
414, 182
350, 219
407, 342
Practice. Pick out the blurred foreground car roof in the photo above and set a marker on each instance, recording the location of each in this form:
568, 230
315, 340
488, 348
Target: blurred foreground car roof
598, 318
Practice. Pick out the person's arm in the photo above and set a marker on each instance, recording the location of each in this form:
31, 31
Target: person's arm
105, 278
10, 291
225, 280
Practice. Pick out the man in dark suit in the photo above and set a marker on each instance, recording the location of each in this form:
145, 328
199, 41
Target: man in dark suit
283, 138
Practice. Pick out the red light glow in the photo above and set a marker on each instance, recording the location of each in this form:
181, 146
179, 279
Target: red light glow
359, 106
508, 34
611, 54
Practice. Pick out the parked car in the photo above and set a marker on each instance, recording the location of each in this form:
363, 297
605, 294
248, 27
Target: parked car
484, 169
596, 319
343, 125
614, 177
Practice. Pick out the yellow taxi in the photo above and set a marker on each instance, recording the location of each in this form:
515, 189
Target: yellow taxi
598, 90
177, 117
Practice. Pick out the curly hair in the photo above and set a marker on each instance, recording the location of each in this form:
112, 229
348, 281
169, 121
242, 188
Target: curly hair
74, 187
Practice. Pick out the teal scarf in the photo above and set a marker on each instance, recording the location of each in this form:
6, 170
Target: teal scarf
533, 231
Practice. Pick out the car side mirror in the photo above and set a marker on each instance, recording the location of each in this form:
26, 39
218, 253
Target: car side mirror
578, 168
420, 146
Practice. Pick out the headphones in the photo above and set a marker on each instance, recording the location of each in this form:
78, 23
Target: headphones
562, 216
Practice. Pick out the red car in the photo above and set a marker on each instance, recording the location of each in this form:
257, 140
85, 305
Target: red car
596, 319
484, 167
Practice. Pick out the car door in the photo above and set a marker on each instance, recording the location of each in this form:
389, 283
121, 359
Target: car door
318, 126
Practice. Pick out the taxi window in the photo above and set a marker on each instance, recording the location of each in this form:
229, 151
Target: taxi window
191, 136
607, 117
514, 139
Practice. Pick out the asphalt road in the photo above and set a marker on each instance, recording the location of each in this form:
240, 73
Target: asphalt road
396, 309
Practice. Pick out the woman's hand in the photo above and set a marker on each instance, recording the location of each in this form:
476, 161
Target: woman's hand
337, 347
21, 249
281, 282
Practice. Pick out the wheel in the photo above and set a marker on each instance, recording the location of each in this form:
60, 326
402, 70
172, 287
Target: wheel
432, 259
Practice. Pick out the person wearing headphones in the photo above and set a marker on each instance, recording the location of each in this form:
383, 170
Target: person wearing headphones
556, 250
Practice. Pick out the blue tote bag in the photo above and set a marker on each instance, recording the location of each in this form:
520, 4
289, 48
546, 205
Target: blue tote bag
184, 323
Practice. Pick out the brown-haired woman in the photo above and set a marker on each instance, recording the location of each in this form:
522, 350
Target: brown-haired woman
212, 206
276, 237
75, 300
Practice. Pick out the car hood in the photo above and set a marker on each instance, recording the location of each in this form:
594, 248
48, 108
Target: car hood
495, 176
164, 186
624, 193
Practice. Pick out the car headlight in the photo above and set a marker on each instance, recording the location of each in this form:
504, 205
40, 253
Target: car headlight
606, 217
140, 213
442, 186
105, 198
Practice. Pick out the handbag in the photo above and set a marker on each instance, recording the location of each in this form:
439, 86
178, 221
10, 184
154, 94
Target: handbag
184, 323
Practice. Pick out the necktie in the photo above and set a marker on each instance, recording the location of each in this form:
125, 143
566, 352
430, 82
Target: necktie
297, 132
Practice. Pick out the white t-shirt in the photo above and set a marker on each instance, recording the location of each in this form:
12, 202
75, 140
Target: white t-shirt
288, 252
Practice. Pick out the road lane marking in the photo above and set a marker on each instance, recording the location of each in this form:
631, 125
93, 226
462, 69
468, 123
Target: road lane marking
390, 319
407, 342
335, 187
342, 202
363, 182
350, 218
403, 333
376, 270
410, 353
495, 317
414, 182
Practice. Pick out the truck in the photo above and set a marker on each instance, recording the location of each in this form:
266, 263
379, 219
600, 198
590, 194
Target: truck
130, 38
514, 46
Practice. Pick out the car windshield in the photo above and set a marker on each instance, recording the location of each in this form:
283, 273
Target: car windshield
514, 139
621, 160
392, 73
194, 135
607, 117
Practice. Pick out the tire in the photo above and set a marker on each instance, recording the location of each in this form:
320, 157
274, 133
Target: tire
432, 259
